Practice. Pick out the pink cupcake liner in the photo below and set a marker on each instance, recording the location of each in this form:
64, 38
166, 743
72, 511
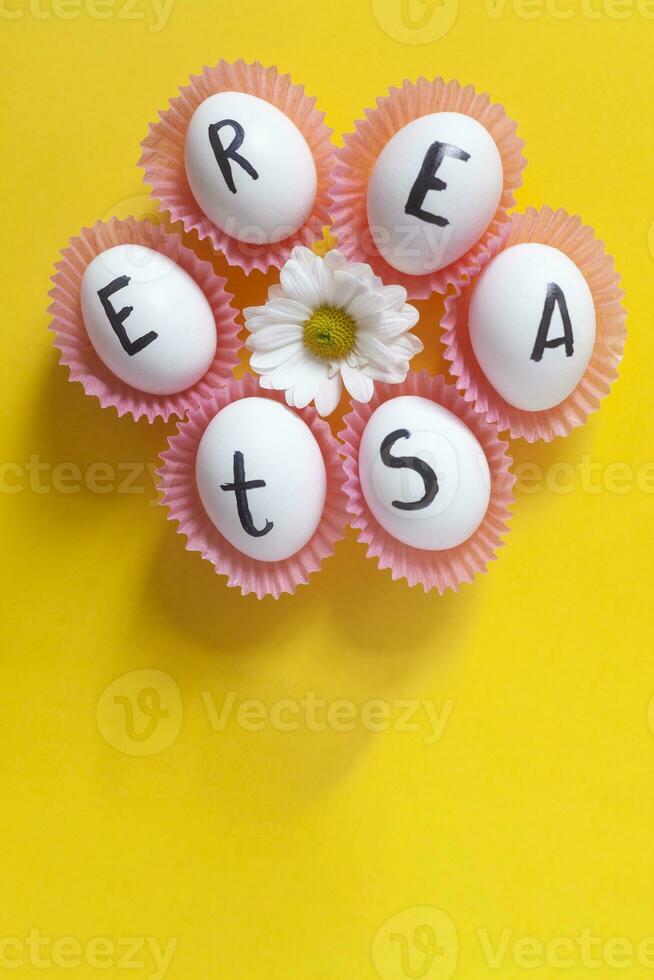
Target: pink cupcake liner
439, 570
163, 158
356, 159
180, 495
578, 241
77, 351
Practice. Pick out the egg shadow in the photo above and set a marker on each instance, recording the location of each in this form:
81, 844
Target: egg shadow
381, 640
67, 429
373, 617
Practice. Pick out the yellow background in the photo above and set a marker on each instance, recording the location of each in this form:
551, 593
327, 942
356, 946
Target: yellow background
274, 854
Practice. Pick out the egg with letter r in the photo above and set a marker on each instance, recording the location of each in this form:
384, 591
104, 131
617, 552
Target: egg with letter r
249, 168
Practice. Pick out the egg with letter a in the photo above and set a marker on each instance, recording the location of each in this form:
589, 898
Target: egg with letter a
433, 192
147, 319
532, 325
423, 473
249, 167
261, 477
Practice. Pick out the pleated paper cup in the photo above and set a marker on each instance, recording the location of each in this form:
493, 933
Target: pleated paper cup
578, 241
163, 158
77, 351
181, 497
356, 159
448, 568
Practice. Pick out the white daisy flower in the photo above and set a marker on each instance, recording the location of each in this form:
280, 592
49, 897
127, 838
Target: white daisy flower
330, 323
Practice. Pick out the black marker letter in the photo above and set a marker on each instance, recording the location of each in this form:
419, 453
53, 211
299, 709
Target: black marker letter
412, 463
553, 297
428, 181
240, 487
116, 319
223, 156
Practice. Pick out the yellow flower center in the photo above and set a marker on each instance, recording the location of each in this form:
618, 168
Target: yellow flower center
329, 333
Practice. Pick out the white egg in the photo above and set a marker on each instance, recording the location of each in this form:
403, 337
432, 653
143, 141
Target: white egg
147, 319
423, 473
249, 167
433, 192
532, 325
261, 476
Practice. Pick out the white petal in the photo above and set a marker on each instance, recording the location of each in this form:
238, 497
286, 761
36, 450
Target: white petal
405, 347
387, 352
254, 311
393, 376
273, 336
264, 362
303, 255
370, 348
394, 297
362, 272
318, 269
300, 284
345, 288
286, 375
359, 385
307, 383
365, 304
284, 310
329, 395
386, 325
335, 260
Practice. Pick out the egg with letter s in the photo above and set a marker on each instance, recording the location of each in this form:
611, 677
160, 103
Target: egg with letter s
249, 168
261, 478
147, 319
532, 325
423, 473
433, 192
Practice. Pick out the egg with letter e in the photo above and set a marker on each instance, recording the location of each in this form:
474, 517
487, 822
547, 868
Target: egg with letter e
532, 325
261, 478
423, 473
433, 192
249, 167
147, 319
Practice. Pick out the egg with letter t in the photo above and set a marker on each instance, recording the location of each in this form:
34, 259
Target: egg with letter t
256, 487
261, 478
